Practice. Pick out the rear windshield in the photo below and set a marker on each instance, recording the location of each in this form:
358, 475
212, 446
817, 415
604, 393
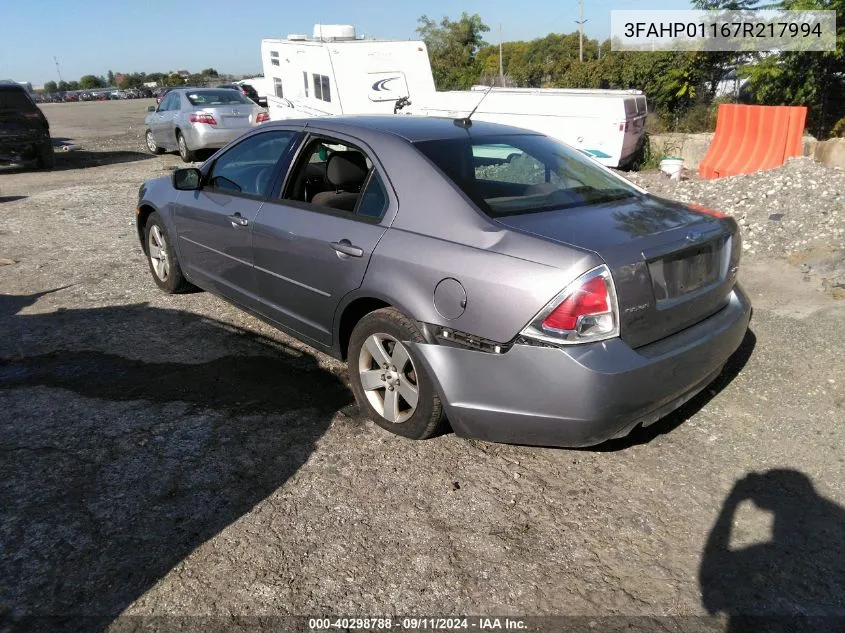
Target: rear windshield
15, 99
518, 174
222, 96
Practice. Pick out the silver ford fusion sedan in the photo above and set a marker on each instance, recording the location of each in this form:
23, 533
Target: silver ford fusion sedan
467, 271
191, 119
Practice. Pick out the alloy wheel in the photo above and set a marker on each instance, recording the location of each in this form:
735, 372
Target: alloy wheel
388, 377
157, 247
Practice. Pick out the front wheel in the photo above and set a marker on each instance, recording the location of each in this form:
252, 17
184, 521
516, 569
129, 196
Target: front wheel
152, 145
389, 384
186, 154
164, 265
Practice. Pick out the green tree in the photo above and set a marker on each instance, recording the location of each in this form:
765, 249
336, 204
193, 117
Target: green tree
110, 78
452, 48
88, 82
209, 72
51, 86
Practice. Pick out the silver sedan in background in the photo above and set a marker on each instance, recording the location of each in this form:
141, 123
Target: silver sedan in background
191, 119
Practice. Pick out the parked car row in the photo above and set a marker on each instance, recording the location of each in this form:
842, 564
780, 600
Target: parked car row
87, 95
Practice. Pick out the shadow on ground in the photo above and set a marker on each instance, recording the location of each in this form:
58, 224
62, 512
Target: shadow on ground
793, 582
78, 159
641, 435
117, 462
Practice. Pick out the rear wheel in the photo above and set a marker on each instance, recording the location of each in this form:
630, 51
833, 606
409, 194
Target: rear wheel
164, 265
187, 155
46, 157
389, 383
151, 143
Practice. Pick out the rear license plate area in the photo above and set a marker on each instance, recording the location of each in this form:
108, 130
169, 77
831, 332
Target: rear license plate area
686, 271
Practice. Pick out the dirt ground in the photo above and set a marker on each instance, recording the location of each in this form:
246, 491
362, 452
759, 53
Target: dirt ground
172, 456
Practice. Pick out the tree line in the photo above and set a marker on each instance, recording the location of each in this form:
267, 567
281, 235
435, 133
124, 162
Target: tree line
125, 81
680, 86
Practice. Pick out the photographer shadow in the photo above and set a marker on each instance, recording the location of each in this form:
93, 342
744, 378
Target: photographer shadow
795, 581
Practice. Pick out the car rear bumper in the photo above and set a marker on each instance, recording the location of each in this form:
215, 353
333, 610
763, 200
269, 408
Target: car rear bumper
204, 136
21, 148
584, 394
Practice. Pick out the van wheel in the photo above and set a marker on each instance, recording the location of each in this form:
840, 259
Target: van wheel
187, 155
164, 265
389, 382
151, 143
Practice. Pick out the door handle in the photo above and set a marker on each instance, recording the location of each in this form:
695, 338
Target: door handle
237, 220
345, 247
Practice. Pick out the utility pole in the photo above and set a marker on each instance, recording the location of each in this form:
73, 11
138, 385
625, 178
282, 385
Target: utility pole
59, 72
580, 22
501, 67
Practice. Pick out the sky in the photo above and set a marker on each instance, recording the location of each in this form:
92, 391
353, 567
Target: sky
95, 36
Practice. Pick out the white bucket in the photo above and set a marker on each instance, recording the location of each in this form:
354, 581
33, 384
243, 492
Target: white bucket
672, 167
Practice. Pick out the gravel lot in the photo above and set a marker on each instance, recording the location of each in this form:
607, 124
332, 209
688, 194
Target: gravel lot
172, 456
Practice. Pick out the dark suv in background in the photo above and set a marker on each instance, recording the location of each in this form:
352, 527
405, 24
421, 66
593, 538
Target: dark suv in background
24, 130
248, 91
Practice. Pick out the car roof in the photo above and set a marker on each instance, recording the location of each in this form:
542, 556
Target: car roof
409, 127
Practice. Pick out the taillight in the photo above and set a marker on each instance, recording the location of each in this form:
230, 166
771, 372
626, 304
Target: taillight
262, 117
202, 117
585, 311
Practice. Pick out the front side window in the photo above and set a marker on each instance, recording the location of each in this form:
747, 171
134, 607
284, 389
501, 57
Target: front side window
518, 174
248, 167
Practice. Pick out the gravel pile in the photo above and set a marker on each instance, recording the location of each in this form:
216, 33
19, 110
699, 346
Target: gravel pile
796, 212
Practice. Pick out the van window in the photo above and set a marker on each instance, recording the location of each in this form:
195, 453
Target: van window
321, 87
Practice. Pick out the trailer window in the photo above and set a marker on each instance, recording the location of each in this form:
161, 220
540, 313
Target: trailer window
518, 174
274, 58
321, 87
305, 80
277, 88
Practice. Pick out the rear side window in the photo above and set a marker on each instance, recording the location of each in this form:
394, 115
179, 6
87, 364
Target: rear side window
12, 98
374, 199
518, 174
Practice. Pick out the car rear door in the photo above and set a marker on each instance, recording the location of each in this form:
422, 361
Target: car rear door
214, 224
308, 256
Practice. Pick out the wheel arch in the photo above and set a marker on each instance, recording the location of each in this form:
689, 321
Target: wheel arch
144, 211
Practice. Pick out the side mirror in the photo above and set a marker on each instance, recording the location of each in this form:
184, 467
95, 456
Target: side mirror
187, 179
151, 109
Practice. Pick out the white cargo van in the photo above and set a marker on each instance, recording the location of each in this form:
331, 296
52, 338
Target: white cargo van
334, 72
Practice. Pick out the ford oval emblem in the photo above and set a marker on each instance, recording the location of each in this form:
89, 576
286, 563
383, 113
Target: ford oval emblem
692, 236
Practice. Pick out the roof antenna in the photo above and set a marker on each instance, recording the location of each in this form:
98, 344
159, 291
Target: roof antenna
466, 122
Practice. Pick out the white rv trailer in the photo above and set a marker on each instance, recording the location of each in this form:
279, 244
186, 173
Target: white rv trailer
335, 72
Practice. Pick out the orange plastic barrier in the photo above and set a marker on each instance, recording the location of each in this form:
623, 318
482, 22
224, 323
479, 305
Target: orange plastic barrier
753, 138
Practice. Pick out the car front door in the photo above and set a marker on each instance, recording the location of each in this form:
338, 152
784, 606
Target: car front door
312, 243
214, 224
160, 121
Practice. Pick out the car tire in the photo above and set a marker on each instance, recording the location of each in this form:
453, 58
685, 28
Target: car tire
186, 154
376, 349
161, 256
46, 156
152, 146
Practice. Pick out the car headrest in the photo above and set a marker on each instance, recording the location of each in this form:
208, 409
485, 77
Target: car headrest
346, 169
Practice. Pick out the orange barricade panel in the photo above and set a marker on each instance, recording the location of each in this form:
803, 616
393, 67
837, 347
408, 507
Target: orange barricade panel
753, 138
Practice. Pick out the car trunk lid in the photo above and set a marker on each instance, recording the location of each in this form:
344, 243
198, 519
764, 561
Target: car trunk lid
230, 117
672, 266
